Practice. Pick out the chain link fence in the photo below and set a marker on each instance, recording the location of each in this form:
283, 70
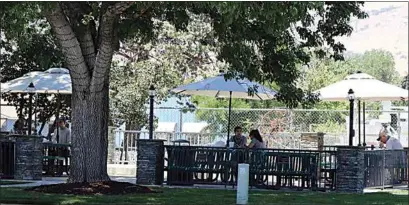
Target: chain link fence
288, 123
280, 128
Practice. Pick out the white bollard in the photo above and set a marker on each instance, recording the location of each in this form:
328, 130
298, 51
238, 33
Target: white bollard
243, 184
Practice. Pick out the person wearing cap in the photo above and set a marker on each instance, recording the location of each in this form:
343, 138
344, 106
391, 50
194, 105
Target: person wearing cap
388, 141
397, 159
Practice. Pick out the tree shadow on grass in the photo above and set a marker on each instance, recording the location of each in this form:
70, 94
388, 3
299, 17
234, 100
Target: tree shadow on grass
177, 196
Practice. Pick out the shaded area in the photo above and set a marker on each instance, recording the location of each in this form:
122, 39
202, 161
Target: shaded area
7, 182
95, 188
179, 196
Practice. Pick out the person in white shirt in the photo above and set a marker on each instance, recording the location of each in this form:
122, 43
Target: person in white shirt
390, 143
64, 133
398, 158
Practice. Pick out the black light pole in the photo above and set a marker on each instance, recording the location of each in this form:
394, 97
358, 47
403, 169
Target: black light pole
351, 98
359, 123
363, 120
152, 93
30, 90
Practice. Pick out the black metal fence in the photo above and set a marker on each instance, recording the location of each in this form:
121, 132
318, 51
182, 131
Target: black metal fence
386, 168
269, 168
7, 159
56, 159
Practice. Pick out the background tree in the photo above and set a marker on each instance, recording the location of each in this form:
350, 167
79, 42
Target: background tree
319, 73
32, 52
255, 38
167, 61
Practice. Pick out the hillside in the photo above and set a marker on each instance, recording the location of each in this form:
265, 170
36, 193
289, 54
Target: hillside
386, 28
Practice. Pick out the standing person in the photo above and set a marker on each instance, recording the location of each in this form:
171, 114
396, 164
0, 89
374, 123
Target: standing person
256, 140
64, 133
64, 137
239, 139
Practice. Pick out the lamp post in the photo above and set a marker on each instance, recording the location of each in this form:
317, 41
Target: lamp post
152, 94
351, 97
30, 90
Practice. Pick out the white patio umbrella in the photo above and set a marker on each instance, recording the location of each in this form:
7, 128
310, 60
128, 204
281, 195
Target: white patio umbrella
365, 87
52, 81
219, 87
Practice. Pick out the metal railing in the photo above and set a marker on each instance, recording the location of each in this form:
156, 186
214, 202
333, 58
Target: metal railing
7, 159
386, 168
269, 168
122, 149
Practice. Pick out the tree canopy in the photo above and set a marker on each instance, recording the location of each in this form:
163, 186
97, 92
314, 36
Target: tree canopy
263, 41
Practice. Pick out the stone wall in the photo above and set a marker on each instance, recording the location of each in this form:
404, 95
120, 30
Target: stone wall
312, 140
150, 162
350, 169
29, 158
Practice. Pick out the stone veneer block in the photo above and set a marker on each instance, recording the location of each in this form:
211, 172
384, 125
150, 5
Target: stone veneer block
150, 162
313, 140
29, 158
350, 169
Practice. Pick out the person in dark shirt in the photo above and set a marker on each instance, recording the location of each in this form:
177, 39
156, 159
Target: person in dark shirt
19, 125
239, 139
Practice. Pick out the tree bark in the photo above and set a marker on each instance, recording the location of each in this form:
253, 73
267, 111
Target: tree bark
90, 89
90, 134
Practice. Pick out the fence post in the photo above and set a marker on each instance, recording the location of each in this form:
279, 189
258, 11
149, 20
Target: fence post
180, 119
350, 169
150, 162
398, 125
383, 169
111, 144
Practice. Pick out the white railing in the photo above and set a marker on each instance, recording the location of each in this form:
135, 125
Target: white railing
123, 144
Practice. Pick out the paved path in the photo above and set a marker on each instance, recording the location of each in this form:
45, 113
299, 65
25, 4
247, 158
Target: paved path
59, 180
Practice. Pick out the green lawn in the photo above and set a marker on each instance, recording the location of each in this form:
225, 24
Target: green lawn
207, 197
7, 182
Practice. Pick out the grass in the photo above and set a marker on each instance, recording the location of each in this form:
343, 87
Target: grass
179, 196
7, 182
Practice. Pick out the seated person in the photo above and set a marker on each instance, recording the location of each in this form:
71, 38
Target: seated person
19, 125
239, 139
387, 141
256, 140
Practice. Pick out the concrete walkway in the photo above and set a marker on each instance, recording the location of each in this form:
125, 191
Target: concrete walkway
59, 180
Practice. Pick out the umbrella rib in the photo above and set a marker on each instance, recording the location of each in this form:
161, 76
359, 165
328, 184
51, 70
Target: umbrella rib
258, 96
180, 92
217, 93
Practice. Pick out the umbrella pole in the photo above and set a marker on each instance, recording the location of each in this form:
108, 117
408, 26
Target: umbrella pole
30, 114
363, 120
35, 111
359, 123
228, 122
57, 135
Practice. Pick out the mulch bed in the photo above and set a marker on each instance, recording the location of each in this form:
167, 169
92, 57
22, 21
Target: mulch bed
94, 188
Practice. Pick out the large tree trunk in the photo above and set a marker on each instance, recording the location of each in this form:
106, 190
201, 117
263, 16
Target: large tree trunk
90, 134
89, 61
